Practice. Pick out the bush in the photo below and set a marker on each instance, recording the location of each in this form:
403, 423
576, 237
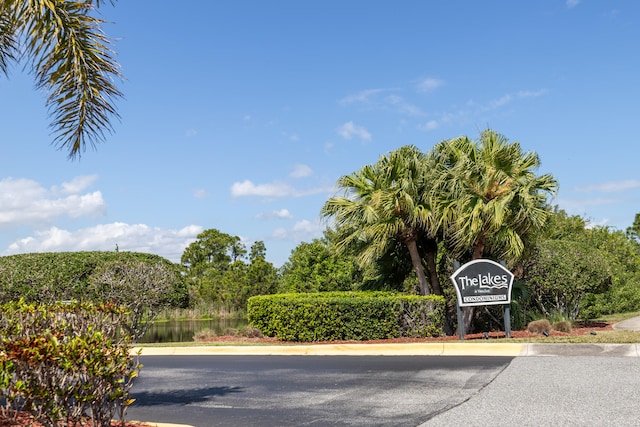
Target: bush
144, 283
65, 362
562, 326
539, 326
327, 316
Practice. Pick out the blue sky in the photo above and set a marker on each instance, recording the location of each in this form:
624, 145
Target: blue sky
242, 115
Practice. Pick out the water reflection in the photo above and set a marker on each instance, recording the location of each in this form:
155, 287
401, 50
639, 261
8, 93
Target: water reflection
184, 330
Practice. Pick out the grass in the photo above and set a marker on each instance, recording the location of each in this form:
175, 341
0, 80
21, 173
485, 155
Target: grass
601, 337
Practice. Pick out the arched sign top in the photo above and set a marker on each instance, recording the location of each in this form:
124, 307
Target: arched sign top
482, 282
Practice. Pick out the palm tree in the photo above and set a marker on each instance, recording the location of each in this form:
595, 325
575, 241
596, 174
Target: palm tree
490, 197
71, 59
383, 203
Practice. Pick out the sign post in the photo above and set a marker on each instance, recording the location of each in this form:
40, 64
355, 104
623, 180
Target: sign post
483, 282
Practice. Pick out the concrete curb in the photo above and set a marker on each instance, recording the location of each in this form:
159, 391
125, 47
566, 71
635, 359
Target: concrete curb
408, 349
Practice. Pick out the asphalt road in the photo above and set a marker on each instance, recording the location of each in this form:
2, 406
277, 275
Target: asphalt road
555, 391
207, 391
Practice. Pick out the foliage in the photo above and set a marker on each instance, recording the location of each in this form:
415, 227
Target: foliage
623, 257
560, 273
71, 58
601, 248
217, 272
633, 231
212, 249
143, 287
142, 282
346, 315
489, 195
315, 267
65, 361
385, 203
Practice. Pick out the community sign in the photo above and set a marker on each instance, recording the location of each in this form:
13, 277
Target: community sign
482, 282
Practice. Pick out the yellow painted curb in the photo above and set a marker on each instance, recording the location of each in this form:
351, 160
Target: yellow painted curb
407, 349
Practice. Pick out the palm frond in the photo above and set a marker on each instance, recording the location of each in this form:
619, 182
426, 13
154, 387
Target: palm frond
72, 60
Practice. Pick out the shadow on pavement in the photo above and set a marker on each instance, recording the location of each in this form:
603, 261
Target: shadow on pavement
181, 397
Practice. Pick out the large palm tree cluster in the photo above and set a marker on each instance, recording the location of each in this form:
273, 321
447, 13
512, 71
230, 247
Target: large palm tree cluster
477, 198
71, 59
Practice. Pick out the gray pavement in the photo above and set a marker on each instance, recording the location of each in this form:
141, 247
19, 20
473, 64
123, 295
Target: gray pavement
590, 385
554, 391
632, 324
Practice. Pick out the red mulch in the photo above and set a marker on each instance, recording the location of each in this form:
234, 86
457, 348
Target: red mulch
24, 419
581, 328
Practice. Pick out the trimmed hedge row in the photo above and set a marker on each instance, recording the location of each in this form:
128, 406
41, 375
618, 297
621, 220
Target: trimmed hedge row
65, 362
328, 316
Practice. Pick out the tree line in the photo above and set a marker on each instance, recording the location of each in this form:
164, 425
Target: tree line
401, 223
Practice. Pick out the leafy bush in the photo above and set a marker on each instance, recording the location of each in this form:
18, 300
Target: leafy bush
144, 283
560, 273
326, 316
65, 361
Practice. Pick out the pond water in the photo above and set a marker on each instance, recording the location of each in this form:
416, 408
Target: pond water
184, 330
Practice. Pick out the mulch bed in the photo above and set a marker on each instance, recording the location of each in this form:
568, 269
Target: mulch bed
25, 419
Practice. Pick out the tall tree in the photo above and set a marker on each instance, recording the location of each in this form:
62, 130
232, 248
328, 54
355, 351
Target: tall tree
383, 203
490, 197
212, 250
71, 59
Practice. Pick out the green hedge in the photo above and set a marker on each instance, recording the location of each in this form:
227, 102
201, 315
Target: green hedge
63, 276
65, 362
328, 316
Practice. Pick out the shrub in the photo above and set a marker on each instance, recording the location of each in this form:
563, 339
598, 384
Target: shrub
204, 335
144, 283
327, 316
539, 326
65, 361
562, 326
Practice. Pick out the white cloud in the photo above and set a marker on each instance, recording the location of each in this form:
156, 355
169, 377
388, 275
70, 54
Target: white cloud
430, 125
611, 186
24, 201
302, 231
398, 104
350, 129
572, 3
429, 84
363, 97
201, 193
279, 214
76, 185
167, 243
190, 133
502, 101
274, 190
301, 171
248, 188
